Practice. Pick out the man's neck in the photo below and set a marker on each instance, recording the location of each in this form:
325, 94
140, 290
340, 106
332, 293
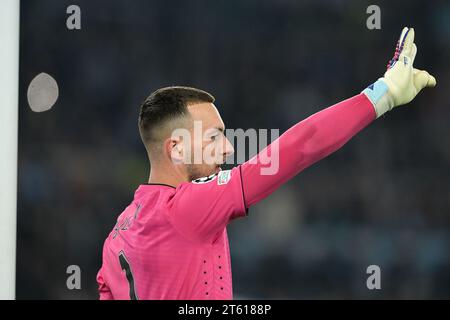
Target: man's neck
164, 175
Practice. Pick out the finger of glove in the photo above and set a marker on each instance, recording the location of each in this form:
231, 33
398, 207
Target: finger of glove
407, 42
402, 67
403, 34
423, 79
407, 57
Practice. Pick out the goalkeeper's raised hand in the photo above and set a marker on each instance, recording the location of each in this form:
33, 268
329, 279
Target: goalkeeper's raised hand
401, 82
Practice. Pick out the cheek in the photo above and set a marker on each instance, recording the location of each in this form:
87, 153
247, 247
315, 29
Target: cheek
212, 152
203, 153
197, 147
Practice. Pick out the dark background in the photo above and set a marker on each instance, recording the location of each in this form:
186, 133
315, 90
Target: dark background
383, 199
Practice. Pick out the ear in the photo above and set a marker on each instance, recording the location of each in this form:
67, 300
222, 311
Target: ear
178, 146
173, 148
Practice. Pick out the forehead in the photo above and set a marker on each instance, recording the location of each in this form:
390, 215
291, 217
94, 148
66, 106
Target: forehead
207, 113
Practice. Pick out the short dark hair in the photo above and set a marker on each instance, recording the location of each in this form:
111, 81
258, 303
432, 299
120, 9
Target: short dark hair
167, 104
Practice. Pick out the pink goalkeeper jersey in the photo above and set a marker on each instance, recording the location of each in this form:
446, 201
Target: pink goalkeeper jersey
171, 243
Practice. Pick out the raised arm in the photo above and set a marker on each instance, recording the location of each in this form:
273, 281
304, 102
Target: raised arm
304, 144
326, 131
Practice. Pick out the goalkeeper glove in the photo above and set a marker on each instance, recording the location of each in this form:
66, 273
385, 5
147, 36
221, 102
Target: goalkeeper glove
401, 82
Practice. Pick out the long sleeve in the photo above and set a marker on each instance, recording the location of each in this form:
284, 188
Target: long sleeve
304, 144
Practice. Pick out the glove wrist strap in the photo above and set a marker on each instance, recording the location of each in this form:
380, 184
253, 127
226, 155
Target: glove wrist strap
377, 93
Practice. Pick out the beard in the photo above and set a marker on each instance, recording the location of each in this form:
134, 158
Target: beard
196, 171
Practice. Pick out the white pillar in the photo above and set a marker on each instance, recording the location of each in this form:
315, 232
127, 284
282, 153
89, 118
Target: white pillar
9, 84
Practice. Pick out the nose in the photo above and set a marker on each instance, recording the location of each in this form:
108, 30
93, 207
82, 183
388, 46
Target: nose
228, 149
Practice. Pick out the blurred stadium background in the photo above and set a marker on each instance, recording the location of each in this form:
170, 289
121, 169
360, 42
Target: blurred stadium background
383, 199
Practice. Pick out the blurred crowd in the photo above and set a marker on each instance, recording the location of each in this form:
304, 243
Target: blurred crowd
383, 199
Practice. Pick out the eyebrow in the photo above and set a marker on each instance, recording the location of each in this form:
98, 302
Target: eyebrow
221, 129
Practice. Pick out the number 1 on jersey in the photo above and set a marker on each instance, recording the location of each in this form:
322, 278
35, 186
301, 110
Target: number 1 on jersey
126, 267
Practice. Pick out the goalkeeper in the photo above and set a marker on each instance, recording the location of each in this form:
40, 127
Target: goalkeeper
171, 241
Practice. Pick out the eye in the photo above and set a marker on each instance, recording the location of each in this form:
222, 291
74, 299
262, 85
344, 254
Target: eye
213, 138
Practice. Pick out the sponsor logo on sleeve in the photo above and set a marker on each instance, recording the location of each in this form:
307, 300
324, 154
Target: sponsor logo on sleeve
223, 177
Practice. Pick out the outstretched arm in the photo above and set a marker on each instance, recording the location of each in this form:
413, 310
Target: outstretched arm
304, 144
223, 197
326, 131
